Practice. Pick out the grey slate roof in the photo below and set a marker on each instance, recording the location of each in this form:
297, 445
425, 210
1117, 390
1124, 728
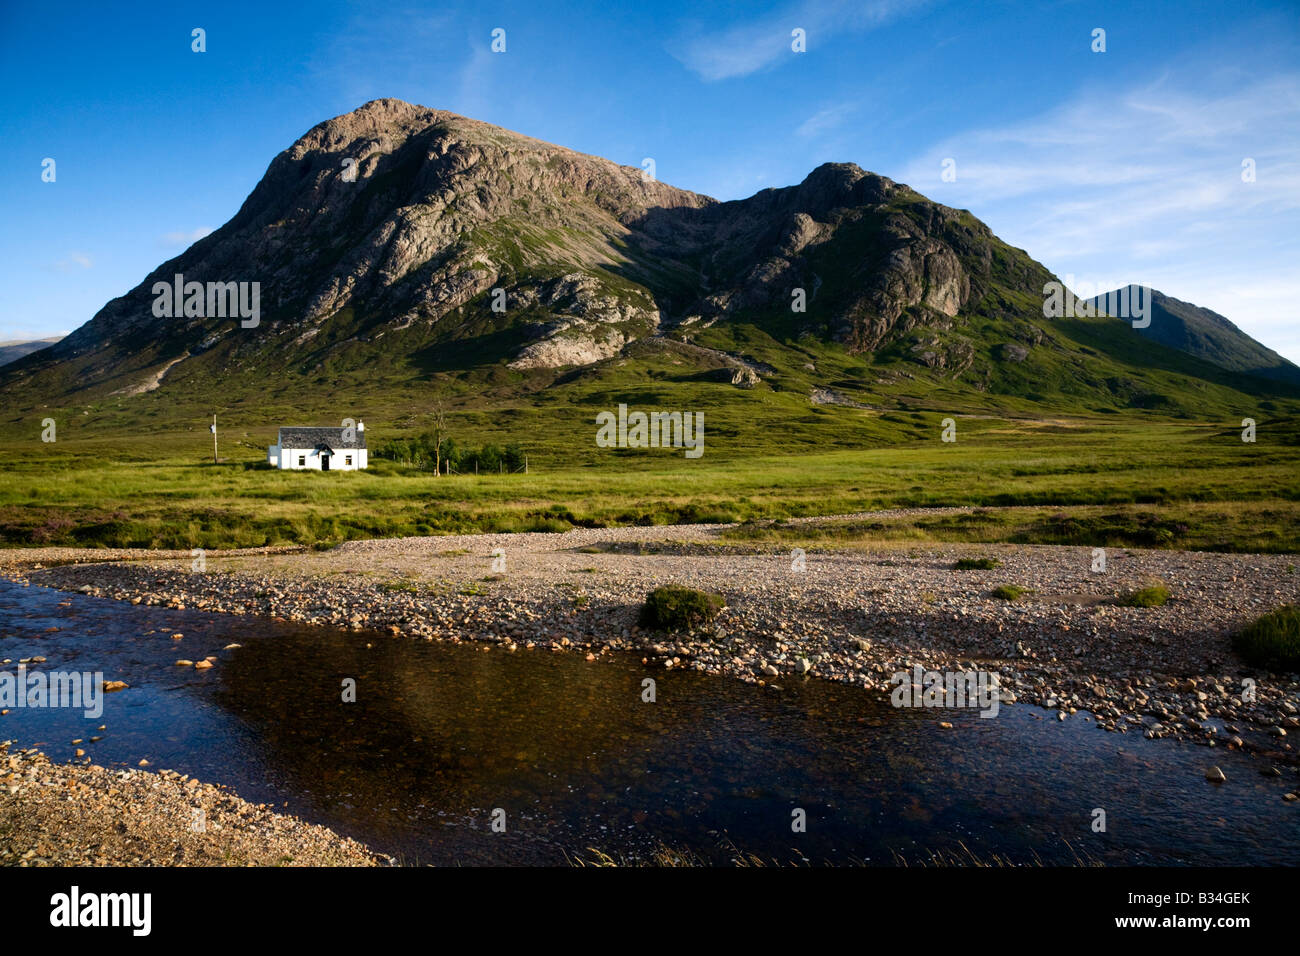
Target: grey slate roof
308, 437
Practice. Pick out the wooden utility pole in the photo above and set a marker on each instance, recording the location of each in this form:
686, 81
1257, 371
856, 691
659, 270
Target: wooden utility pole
215, 460
439, 422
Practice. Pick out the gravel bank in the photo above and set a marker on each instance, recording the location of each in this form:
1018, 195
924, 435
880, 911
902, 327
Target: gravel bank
850, 616
87, 815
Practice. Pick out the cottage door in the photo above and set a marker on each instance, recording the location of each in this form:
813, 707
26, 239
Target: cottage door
324, 462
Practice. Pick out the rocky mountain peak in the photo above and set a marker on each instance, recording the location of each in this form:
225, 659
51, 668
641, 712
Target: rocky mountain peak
397, 218
438, 234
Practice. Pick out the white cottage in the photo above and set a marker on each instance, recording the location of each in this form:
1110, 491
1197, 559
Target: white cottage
319, 449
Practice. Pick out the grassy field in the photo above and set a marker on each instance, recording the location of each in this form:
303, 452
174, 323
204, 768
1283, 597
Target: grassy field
1128, 482
1263, 526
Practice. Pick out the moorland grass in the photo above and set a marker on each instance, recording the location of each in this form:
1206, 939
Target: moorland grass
1127, 484
1153, 595
1270, 526
1272, 641
674, 607
976, 564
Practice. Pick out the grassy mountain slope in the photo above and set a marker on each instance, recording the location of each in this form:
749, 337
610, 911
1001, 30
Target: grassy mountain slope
378, 298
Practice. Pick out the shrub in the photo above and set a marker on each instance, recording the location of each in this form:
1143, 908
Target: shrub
1273, 641
1153, 595
1009, 592
673, 607
976, 564
1116, 529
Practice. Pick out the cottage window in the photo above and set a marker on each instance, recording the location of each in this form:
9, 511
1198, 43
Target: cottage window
302, 460
347, 459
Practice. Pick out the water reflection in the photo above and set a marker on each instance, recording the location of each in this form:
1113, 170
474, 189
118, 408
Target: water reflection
439, 736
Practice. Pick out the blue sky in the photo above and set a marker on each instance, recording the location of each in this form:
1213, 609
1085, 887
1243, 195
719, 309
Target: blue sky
1114, 167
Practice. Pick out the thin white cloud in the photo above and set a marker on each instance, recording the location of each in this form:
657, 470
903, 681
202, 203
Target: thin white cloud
183, 240
474, 79
1146, 186
825, 120
745, 48
74, 261
386, 51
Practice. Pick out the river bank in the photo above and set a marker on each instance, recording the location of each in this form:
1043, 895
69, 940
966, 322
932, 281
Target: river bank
86, 815
856, 616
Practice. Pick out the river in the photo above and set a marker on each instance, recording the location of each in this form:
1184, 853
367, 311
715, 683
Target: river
439, 736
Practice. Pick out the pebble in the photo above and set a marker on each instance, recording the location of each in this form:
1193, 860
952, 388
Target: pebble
857, 618
80, 814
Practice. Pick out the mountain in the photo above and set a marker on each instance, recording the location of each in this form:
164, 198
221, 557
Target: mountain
1207, 335
15, 349
403, 253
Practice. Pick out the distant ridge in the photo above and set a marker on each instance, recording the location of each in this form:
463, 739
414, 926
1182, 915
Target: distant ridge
1207, 335
15, 349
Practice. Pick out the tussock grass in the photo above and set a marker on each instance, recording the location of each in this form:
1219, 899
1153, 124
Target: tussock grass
976, 564
1152, 595
1272, 641
664, 855
673, 607
1265, 527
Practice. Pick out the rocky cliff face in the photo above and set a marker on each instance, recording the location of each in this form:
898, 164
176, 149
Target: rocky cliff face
395, 214
402, 241
873, 255
397, 218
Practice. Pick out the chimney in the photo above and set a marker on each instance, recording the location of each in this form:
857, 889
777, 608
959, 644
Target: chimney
361, 426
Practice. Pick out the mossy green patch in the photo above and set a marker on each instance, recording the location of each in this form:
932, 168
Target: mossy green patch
673, 607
